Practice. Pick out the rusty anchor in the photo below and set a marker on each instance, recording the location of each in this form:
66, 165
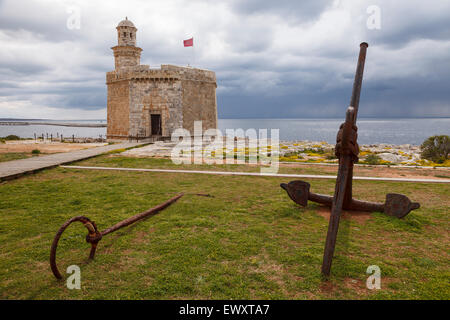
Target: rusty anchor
347, 150
94, 235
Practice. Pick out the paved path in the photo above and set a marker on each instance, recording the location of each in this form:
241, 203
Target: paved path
16, 168
235, 173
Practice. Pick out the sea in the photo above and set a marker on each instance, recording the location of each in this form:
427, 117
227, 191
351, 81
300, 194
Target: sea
370, 130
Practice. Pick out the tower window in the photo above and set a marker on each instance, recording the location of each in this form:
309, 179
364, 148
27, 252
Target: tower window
131, 35
124, 34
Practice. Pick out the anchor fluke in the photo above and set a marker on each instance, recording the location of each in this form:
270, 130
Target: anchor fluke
298, 191
399, 205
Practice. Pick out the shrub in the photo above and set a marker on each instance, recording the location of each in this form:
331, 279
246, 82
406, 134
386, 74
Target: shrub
436, 148
330, 155
314, 150
373, 159
116, 151
35, 151
290, 154
11, 137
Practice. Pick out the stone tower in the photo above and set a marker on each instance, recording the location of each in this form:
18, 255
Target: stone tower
151, 103
126, 54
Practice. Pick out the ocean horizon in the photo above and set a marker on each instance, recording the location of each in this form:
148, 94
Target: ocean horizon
370, 130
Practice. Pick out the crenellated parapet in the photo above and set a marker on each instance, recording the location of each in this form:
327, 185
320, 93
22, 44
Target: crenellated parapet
193, 74
165, 73
141, 73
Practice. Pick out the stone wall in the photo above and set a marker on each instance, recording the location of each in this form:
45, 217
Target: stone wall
117, 110
155, 92
126, 36
126, 56
199, 96
180, 95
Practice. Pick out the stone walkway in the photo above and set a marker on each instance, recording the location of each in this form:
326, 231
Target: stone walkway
13, 169
235, 173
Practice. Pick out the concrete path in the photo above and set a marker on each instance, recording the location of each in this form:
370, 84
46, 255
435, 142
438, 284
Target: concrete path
13, 169
287, 175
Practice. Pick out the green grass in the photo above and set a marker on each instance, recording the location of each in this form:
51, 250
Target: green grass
14, 156
165, 163
248, 241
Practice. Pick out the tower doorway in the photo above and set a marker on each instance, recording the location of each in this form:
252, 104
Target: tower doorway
156, 124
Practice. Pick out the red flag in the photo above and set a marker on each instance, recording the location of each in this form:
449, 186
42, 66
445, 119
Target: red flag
189, 42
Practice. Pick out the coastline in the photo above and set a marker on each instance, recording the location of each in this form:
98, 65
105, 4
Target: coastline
323, 152
308, 152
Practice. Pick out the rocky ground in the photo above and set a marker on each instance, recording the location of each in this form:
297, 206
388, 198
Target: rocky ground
372, 154
307, 151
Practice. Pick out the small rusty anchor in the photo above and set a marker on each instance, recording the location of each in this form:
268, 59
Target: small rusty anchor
347, 150
94, 236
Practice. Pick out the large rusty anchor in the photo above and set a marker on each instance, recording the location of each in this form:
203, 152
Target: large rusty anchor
94, 236
347, 151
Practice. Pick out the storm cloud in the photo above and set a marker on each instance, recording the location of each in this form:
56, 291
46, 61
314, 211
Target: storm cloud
273, 59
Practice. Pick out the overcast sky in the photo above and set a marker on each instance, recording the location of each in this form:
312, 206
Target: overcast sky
273, 59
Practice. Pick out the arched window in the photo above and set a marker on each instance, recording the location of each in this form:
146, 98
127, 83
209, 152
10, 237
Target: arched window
131, 35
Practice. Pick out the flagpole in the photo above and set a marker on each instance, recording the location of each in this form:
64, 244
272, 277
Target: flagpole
190, 43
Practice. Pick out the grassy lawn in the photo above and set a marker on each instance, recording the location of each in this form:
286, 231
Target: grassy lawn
116, 160
14, 156
248, 241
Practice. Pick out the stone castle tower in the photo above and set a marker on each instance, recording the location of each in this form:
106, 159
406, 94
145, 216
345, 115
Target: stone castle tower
150, 103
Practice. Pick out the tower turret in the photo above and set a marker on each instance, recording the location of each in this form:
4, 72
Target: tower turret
126, 33
126, 54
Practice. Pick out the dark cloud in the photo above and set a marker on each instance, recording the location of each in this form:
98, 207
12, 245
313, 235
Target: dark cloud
23, 68
410, 21
273, 59
46, 20
298, 11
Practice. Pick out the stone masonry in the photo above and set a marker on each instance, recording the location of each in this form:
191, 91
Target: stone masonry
147, 102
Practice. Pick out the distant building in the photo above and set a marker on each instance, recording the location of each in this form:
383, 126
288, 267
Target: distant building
152, 103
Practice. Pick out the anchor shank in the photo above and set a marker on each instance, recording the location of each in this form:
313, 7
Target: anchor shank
336, 210
142, 215
348, 197
357, 83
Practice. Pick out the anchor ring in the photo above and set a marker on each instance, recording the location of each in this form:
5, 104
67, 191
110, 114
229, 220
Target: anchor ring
93, 237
